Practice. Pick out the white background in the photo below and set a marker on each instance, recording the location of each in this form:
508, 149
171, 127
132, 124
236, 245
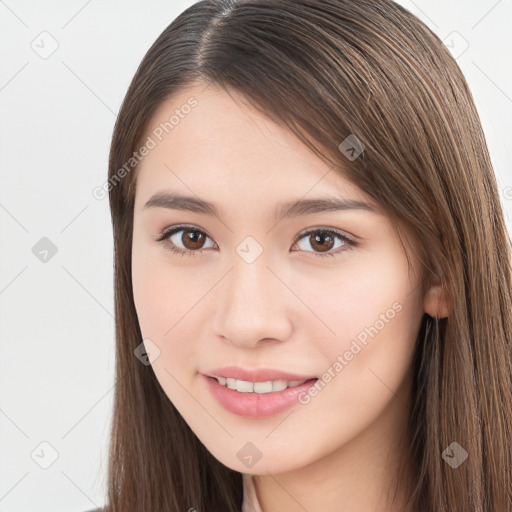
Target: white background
57, 116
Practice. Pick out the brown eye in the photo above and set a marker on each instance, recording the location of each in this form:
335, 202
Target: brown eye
184, 240
323, 240
192, 239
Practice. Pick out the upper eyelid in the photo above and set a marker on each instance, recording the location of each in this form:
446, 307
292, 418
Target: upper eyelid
176, 229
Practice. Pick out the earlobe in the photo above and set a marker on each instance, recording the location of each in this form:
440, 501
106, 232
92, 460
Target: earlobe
435, 303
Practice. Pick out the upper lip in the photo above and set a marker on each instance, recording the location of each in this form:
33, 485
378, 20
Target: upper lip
257, 375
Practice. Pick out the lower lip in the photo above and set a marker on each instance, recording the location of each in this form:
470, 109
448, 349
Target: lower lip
256, 405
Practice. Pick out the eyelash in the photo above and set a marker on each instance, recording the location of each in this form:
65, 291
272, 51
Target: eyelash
166, 233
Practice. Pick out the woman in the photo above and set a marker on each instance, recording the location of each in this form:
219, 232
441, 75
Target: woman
312, 270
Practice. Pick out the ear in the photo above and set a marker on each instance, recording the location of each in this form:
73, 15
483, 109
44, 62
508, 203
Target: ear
435, 302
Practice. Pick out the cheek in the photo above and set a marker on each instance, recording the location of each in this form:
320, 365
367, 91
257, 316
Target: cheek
147, 289
156, 291
375, 311
162, 304
166, 297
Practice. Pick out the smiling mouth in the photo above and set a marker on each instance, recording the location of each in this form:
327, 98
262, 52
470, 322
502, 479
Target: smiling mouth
257, 399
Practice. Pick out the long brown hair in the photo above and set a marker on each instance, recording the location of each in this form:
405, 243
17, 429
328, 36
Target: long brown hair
327, 69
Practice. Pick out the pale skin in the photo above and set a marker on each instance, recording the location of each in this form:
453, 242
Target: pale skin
290, 309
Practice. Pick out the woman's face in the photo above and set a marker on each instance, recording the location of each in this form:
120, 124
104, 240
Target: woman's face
256, 291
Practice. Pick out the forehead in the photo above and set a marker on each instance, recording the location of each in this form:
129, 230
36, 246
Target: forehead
205, 139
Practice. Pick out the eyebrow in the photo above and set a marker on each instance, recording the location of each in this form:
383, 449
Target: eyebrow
285, 210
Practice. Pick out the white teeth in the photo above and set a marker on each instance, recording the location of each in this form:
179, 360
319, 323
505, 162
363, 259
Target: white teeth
263, 387
270, 386
279, 385
244, 386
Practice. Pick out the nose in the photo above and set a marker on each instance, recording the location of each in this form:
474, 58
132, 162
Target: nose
253, 305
